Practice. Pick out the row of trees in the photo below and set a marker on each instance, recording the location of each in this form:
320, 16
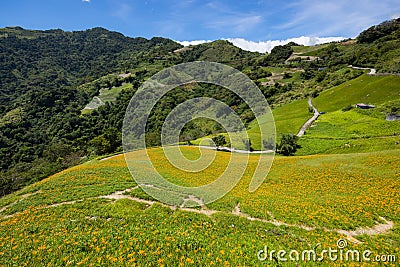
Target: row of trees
287, 146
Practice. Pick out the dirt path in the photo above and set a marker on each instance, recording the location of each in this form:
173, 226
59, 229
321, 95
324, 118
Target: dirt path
120, 195
379, 228
310, 121
371, 70
110, 157
382, 227
22, 198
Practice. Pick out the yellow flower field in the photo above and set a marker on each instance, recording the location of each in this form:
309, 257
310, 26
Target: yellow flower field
313, 198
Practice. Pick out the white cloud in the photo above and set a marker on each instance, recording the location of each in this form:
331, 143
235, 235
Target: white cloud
266, 46
195, 42
395, 16
86, 1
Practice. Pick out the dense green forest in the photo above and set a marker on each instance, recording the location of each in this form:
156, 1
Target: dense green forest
48, 77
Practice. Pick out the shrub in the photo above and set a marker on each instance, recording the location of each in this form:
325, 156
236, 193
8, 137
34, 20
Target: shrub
288, 145
219, 140
347, 108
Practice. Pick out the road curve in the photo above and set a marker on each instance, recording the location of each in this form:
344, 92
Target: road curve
371, 70
228, 149
310, 121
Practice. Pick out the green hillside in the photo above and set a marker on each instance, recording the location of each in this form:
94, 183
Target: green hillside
345, 129
366, 130
288, 119
307, 50
374, 90
67, 197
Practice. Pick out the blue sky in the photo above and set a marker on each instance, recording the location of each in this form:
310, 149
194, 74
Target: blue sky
189, 20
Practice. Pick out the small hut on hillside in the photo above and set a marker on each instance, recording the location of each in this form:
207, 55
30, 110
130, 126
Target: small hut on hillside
364, 106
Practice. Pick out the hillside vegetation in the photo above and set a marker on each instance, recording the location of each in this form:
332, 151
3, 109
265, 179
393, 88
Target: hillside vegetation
48, 78
67, 197
346, 129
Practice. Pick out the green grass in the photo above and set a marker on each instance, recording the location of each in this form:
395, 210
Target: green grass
373, 90
355, 130
296, 77
331, 191
353, 124
311, 145
111, 94
288, 119
307, 50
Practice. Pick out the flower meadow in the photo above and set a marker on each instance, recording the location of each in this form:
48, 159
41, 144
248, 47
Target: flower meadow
304, 201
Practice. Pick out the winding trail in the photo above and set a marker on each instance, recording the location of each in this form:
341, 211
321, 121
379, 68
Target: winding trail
371, 70
310, 121
18, 200
381, 227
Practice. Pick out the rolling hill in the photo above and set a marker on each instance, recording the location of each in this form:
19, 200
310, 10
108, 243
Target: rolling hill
84, 215
68, 198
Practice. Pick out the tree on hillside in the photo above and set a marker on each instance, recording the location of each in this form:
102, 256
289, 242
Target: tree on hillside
293, 44
288, 145
108, 142
219, 140
375, 32
280, 53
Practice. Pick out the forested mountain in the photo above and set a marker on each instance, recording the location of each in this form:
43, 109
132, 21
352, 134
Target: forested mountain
52, 59
40, 102
48, 77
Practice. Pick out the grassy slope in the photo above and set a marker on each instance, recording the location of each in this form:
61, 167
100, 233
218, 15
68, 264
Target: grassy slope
373, 90
336, 191
308, 49
355, 130
288, 119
